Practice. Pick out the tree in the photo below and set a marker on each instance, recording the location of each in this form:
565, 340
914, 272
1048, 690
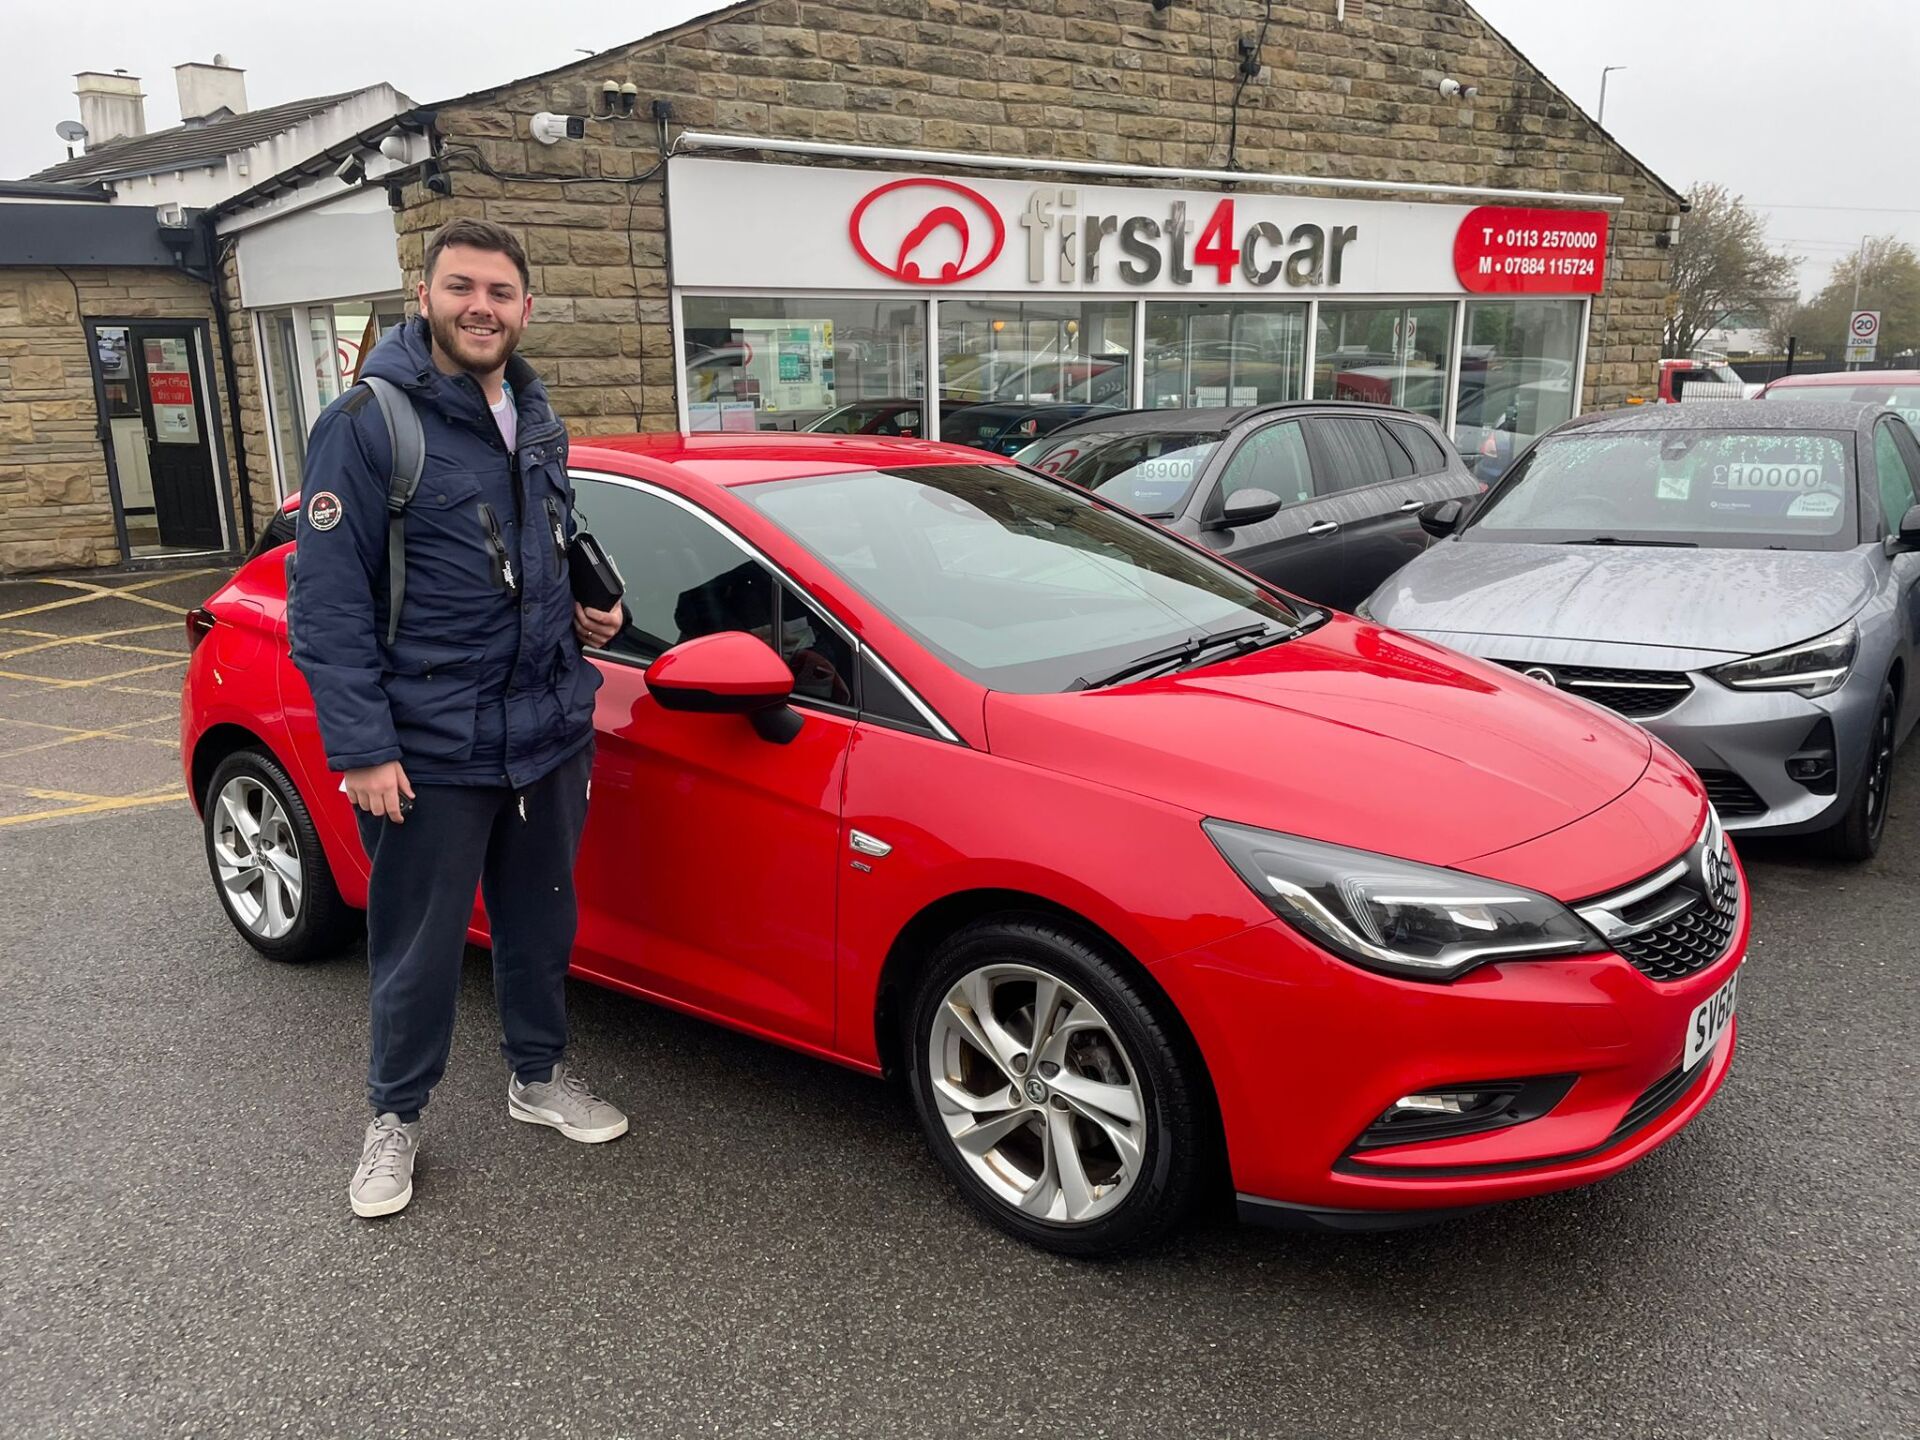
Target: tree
1889, 273
1721, 267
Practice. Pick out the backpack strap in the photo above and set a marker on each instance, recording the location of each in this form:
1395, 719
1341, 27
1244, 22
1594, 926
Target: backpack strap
408, 442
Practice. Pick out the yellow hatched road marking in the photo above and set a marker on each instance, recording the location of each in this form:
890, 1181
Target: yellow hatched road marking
96, 807
44, 640
60, 684
92, 592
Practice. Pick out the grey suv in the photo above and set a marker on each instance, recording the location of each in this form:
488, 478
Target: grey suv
1742, 579
1319, 498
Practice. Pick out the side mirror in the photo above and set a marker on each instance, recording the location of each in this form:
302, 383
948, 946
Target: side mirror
1441, 518
1909, 538
731, 673
1248, 507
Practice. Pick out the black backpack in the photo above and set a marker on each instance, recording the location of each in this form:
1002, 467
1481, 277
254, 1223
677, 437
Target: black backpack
408, 442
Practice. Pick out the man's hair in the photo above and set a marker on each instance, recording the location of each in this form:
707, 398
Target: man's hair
478, 235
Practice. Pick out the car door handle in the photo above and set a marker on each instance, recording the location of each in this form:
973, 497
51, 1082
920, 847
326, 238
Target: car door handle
1323, 527
1412, 505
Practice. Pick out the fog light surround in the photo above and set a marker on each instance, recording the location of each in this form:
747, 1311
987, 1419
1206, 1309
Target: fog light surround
1441, 1112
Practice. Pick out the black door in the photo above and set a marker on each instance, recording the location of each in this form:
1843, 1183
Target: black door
172, 391
1368, 480
1300, 549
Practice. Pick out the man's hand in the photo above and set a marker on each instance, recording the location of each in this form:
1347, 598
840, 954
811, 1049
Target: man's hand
597, 627
377, 789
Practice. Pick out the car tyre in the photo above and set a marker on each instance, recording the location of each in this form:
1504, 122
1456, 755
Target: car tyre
1856, 836
267, 863
1092, 1144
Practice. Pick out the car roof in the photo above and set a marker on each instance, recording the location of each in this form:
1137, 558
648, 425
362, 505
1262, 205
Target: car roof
1847, 377
746, 458
1730, 415
1224, 417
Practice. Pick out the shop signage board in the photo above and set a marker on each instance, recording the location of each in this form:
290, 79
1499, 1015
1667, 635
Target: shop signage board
745, 225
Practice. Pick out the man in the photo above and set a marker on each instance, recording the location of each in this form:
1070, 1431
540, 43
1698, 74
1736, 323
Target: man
464, 733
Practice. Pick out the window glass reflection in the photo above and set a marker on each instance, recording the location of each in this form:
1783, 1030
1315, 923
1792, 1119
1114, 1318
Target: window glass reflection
794, 363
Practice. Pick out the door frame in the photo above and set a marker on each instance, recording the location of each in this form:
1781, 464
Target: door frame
210, 419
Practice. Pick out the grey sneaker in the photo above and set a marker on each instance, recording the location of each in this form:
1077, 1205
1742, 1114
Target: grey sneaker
565, 1103
383, 1181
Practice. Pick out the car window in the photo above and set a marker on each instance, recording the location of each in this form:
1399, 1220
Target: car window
1273, 458
1148, 471
1779, 489
1903, 400
1355, 452
1019, 583
1896, 485
686, 579
1428, 457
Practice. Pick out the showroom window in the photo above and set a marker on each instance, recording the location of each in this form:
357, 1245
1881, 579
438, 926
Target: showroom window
1224, 354
311, 354
1518, 359
1390, 354
793, 363
1028, 352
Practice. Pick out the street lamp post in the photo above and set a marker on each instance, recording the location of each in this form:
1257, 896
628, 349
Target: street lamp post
1601, 118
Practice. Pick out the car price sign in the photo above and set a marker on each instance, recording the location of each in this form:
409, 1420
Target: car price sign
1863, 335
1501, 250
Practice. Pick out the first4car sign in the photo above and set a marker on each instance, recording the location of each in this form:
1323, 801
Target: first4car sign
853, 229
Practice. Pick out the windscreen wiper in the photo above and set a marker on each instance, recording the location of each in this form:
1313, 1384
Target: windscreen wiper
1616, 540
1174, 655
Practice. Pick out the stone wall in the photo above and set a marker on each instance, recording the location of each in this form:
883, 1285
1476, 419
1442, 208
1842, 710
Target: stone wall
56, 511
255, 439
1077, 79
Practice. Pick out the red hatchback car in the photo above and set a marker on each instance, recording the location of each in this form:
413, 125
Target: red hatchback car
1133, 867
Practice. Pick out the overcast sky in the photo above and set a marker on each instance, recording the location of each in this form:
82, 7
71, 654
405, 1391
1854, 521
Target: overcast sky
1807, 107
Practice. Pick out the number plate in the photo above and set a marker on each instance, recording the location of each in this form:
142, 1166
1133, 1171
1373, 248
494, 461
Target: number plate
1709, 1021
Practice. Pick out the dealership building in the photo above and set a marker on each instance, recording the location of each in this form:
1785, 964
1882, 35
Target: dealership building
771, 213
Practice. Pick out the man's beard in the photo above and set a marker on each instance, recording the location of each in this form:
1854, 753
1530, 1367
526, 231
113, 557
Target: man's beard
458, 346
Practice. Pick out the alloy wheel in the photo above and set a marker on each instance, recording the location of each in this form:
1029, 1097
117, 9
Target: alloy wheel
1037, 1093
257, 856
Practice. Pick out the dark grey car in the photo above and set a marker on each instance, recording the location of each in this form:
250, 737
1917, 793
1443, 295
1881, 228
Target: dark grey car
1320, 498
1742, 579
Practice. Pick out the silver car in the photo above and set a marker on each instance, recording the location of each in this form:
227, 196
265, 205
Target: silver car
1739, 578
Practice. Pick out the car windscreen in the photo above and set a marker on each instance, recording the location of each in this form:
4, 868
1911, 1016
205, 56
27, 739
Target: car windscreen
1903, 400
1760, 489
1018, 583
1148, 471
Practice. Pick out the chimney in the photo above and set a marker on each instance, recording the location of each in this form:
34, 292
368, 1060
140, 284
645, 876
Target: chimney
112, 107
210, 92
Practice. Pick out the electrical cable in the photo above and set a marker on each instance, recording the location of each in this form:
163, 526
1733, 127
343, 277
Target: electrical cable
1240, 89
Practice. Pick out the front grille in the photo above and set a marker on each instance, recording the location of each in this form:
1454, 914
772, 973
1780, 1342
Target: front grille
1679, 921
1731, 795
1637, 694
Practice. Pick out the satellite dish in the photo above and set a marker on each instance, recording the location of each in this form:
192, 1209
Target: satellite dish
71, 131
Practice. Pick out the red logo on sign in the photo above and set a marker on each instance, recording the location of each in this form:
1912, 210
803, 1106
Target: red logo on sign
1500, 250
927, 232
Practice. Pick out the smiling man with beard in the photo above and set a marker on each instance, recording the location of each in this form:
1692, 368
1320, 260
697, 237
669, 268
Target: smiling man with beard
460, 718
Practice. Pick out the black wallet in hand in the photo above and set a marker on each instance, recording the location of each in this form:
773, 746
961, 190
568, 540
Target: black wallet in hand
596, 583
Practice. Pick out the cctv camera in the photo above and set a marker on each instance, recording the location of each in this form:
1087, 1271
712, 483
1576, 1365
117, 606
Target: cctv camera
1449, 87
551, 129
394, 146
437, 181
352, 170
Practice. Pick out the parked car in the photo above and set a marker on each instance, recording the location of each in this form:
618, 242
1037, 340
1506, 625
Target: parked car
896, 415
1131, 866
1317, 497
1701, 379
1739, 578
1008, 429
1890, 389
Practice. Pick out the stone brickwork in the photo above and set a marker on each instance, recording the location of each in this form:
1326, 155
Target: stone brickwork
1078, 79
56, 511
255, 440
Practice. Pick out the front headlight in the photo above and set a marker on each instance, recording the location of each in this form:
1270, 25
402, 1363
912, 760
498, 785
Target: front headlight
1396, 915
1813, 668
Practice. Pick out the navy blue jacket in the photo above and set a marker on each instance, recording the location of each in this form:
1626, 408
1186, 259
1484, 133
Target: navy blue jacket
482, 685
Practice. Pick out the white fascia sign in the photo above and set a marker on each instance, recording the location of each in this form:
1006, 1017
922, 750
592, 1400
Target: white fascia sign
743, 225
